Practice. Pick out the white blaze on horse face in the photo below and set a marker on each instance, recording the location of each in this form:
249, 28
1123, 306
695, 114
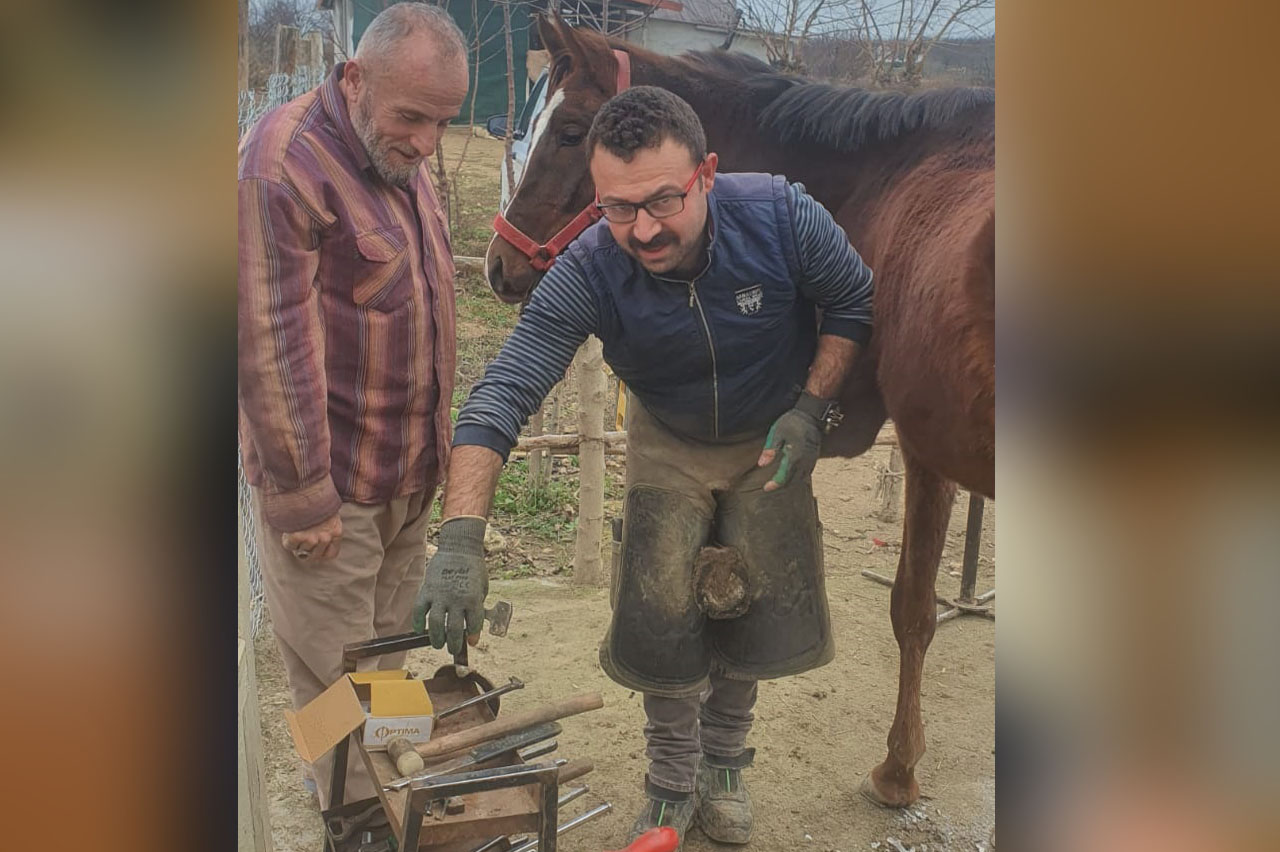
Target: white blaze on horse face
540, 125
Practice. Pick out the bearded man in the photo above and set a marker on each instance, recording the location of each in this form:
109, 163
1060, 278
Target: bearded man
704, 290
346, 344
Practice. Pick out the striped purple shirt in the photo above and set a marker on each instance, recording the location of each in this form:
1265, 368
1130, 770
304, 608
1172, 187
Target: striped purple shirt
346, 318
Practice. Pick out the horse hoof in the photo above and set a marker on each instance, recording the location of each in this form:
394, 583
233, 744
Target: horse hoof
877, 797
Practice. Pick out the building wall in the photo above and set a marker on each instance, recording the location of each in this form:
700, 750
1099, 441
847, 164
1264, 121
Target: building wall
675, 37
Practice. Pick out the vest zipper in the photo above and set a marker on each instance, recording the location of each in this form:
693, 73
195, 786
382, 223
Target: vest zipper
694, 301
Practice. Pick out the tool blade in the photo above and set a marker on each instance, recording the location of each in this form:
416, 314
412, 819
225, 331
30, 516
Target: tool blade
499, 618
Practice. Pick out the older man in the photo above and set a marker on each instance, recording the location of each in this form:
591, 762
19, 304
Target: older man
346, 315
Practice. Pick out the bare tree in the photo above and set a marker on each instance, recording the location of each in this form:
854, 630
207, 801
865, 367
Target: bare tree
837, 58
890, 37
897, 35
449, 184
507, 162
785, 26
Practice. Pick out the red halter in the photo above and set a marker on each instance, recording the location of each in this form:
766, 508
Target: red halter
542, 256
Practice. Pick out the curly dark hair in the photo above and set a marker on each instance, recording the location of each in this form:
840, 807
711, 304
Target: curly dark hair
644, 117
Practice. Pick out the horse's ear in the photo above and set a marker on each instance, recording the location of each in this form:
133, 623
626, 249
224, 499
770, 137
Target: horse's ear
591, 56
556, 35
570, 49
572, 44
549, 33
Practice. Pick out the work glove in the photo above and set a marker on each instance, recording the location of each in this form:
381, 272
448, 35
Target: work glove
797, 434
455, 586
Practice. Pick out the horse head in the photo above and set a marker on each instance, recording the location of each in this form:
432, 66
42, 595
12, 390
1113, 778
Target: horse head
554, 200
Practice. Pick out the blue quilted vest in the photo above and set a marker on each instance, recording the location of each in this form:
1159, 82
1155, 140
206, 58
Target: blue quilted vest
720, 358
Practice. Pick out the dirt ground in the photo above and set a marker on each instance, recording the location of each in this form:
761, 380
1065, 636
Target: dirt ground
816, 734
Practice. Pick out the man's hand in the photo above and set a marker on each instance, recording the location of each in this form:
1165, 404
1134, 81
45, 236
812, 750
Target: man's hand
799, 437
455, 586
319, 542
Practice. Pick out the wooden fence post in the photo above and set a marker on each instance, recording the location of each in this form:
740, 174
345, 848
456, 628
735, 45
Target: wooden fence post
587, 569
551, 419
889, 487
242, 69
315, 50
286, 55
536, 482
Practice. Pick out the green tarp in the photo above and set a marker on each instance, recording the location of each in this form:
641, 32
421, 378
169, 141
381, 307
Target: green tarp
490, 84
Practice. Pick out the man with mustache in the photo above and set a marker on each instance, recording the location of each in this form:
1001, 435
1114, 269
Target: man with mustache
346, 345
704, 289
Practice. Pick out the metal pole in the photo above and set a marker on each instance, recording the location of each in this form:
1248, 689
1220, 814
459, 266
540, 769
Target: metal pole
550, 815
410, 837
532, 845
338, 782
972, 538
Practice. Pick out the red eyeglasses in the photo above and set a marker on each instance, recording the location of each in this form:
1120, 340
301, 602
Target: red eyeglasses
659, 208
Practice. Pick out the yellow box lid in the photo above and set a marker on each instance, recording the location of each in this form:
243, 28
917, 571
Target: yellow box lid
370, 677
328, 718
399, 698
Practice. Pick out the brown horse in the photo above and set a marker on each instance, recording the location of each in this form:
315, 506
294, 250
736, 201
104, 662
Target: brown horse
911, 179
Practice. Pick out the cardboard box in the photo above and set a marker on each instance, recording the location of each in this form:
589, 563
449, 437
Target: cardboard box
386, 704
398, 708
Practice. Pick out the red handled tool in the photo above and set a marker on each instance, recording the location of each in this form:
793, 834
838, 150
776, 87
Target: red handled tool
663, 839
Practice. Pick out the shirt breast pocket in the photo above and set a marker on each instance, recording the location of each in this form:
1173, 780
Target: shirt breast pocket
381, 277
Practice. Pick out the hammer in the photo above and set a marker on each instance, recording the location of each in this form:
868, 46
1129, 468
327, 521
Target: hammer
499, 618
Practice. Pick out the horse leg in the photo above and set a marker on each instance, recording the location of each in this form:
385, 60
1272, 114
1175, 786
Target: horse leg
914, 614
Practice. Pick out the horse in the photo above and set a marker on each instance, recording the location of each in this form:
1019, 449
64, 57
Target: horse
911, 179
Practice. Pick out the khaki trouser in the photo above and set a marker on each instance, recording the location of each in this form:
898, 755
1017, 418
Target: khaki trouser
366, 591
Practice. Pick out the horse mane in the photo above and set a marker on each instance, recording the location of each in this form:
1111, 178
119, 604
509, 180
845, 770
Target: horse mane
843, 118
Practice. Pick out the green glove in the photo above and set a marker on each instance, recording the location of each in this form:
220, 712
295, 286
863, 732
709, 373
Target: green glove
454, 589
798, 435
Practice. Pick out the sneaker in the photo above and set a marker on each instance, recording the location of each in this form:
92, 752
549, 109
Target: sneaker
663, 807
723, 803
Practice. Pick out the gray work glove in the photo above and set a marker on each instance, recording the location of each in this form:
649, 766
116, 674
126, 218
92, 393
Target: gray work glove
455, 586
797, 435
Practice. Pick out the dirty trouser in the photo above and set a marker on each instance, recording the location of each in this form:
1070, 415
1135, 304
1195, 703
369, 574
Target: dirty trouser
679, 730
317, 606
681, 494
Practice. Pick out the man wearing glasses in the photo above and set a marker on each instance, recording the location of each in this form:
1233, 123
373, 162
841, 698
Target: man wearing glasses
704, 290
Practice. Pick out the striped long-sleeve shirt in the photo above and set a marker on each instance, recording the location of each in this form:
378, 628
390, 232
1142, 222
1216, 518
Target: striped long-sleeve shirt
346, 318
762, 339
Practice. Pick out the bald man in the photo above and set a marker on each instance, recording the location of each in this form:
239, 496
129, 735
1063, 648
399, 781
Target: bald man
346, 344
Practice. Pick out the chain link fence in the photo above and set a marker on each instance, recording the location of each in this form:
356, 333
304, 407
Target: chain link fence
244, 497
281, 88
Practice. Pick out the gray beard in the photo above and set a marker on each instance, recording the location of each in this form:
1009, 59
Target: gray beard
379, 152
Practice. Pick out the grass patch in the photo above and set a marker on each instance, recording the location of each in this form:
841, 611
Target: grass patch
548, 513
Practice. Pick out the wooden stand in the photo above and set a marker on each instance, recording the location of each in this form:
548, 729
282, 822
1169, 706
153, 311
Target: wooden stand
507, 799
